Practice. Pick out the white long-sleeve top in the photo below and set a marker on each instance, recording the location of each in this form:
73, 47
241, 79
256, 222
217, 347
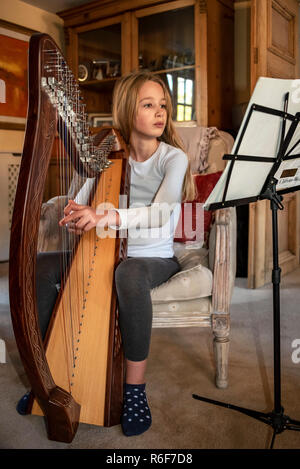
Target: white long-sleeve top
155, 202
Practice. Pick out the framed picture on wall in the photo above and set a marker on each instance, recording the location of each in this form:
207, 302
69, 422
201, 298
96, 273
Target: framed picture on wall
13, 77
98, 120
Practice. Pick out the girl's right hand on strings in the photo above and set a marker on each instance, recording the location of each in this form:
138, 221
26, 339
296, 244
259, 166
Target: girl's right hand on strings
81, 218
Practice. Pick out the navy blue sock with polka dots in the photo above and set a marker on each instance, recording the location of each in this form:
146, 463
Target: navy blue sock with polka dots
136, 418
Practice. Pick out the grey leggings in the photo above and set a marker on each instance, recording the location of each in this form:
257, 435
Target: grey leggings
134, 279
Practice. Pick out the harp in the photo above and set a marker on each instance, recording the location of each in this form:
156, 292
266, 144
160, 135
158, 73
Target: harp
76, 372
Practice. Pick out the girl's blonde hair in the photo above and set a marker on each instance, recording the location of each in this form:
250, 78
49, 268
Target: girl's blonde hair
125, 98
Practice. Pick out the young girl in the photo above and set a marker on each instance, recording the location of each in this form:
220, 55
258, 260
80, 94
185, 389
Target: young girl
160, 180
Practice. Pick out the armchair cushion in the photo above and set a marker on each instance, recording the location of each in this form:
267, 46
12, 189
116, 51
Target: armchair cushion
193, 281
187, 313
198, 231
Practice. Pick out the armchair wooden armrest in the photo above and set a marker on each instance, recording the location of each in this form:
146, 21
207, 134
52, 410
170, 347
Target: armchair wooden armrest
222, 261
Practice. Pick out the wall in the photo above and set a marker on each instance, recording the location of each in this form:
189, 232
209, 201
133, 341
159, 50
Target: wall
242, 26
22, 14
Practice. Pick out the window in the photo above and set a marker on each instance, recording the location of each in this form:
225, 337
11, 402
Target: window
182, 91
184, 99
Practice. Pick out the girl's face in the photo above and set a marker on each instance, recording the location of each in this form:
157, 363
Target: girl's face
151, 114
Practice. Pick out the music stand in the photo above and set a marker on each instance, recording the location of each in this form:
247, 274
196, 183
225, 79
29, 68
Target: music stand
280, 139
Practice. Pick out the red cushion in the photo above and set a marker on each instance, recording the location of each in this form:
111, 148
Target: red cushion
192, 225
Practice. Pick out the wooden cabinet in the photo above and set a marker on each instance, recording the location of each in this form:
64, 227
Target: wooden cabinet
163, 40
188, 42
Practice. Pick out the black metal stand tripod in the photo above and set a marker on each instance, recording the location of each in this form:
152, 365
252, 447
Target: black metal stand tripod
276, 419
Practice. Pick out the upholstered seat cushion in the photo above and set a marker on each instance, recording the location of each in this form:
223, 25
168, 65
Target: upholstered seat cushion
194, 280
191, 311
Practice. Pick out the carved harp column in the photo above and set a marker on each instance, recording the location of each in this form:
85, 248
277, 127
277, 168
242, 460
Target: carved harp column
55, 110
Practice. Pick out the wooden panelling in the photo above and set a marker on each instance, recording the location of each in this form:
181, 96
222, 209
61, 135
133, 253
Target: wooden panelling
163, 7
281, 31
220, 64
278, 68
106, 8
201, 60
274, 44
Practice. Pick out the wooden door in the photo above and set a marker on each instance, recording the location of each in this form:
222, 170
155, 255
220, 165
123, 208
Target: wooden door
274, 53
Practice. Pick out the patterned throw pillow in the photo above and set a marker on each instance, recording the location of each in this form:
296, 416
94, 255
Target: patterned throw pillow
195, 222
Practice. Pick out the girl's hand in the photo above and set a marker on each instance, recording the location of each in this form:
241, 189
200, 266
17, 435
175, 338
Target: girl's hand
81, 218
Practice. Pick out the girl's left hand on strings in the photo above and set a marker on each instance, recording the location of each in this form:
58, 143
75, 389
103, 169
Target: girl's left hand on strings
80, 218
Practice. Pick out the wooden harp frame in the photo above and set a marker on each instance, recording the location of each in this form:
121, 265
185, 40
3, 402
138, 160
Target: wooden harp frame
61, 411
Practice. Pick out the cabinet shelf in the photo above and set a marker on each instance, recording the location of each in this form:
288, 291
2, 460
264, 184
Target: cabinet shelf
111, 81
92, 83
175, 69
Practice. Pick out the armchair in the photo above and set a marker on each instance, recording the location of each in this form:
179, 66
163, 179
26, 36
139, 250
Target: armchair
200, 294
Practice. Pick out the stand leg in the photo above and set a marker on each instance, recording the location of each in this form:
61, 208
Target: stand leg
273, 439
276, 310
278, 421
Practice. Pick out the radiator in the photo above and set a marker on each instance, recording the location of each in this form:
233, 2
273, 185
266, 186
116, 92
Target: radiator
9, 172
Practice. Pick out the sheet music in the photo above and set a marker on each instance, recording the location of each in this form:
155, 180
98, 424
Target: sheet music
288, 174
262, 138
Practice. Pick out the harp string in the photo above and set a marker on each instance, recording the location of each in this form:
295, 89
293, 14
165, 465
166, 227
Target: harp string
75, 149
79, 281
52, 84
66, 156
71, 304
74, 288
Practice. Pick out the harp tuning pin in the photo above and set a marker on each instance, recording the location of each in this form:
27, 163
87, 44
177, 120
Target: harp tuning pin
44, 81
51, 81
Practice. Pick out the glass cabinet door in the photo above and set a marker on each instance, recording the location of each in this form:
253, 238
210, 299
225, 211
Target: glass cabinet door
166, 47
99, 66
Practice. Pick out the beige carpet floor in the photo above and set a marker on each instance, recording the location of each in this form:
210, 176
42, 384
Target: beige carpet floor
180, 364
